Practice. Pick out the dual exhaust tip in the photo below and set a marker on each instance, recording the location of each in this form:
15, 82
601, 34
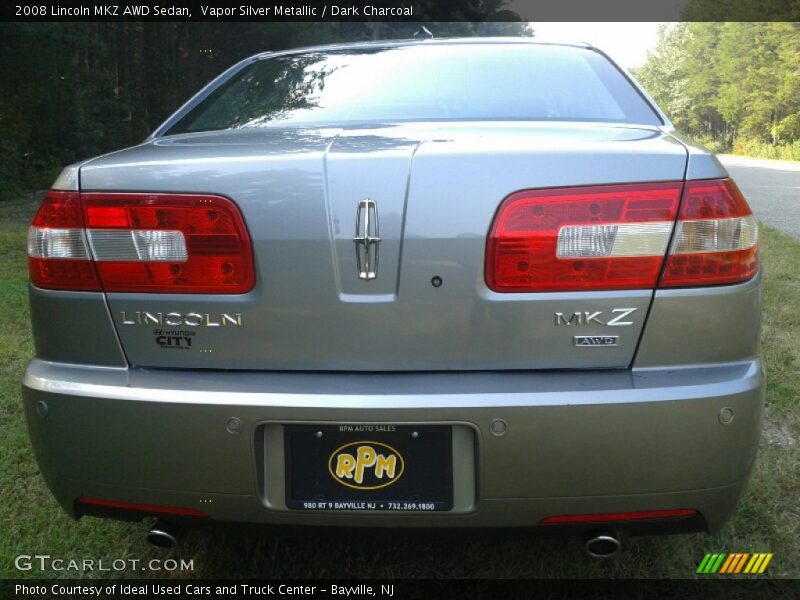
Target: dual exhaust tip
603, 544
165, 535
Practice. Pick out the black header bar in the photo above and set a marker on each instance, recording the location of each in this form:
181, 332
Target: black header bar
416, 11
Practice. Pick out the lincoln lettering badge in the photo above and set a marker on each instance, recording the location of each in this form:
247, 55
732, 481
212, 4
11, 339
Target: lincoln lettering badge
367, 239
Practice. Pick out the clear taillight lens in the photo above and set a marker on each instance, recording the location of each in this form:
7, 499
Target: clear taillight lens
160, 243
58, 257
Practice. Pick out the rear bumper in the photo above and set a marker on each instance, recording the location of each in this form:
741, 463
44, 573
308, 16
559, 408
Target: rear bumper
575, 442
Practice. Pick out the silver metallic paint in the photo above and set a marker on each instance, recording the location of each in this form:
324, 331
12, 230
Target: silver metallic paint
578, 439
298, 191
632, 436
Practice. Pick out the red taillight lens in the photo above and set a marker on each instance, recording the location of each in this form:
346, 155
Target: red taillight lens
615, 237
169, 243
587, 238
716, 239
179, 511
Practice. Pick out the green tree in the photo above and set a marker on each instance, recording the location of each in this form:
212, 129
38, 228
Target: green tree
734, 84
72, 90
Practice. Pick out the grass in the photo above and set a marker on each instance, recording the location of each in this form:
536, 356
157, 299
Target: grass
768, 517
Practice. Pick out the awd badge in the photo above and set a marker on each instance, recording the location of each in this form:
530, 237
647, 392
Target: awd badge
595, 340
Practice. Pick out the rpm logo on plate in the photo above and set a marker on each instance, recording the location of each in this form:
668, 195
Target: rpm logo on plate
366, 465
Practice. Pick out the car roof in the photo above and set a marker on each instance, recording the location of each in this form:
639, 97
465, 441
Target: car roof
424, 42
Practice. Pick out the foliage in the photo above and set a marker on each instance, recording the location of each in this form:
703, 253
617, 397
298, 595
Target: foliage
750, 147
74, 90
735, 84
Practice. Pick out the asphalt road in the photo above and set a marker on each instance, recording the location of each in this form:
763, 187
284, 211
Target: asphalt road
772, 188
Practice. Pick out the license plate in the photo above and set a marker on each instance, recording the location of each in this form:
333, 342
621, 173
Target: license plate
358, 467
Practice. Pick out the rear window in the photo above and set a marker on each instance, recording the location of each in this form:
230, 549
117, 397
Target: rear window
422, 83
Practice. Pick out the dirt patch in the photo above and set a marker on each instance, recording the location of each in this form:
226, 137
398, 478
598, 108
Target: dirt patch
778, 434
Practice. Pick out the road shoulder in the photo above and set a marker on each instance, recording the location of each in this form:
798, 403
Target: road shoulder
759, 163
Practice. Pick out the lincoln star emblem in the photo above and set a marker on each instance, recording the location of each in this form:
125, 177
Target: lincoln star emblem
367, 239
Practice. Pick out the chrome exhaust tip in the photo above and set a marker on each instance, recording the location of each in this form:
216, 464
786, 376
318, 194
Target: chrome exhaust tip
603, 545
164, 535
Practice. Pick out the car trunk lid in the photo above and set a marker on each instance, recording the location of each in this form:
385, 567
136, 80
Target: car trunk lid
316, 200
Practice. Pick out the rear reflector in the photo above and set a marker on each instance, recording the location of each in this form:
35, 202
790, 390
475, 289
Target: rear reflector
617, 237
145, 508
644, 515
157, 243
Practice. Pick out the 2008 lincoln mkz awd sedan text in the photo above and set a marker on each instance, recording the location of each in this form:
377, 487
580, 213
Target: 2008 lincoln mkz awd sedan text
431, 283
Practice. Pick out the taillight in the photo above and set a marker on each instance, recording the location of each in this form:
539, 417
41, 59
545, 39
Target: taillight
615, 237
168, 243
586, 238
716, 238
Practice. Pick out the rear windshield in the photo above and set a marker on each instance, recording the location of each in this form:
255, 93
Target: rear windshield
422, 83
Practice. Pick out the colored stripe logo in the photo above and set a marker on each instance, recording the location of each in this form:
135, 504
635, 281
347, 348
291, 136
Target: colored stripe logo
734, 563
